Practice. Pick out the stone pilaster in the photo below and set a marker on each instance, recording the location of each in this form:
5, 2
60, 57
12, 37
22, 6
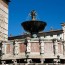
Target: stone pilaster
3, 48
56, 47
28, 46
16, 48
42, 47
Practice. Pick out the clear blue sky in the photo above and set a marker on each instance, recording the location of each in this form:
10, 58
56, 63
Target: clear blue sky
50, 11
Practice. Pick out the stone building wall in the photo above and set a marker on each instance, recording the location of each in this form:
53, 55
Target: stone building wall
3, 20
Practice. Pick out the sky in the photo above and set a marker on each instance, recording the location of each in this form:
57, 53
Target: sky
50, 11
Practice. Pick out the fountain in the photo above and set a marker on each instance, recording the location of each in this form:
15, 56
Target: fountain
33, 26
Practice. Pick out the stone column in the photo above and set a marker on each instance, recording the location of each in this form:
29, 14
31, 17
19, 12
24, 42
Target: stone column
28, 50
42, 50
56, 47
42, 47
28, 46
16, 48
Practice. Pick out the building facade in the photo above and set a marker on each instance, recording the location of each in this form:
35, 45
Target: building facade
3, 20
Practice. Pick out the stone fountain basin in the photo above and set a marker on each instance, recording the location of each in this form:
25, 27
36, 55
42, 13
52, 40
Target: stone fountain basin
33, 26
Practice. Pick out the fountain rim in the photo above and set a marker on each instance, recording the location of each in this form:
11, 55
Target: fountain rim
34, 21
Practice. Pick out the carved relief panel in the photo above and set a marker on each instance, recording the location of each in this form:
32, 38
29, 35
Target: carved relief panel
35, 47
